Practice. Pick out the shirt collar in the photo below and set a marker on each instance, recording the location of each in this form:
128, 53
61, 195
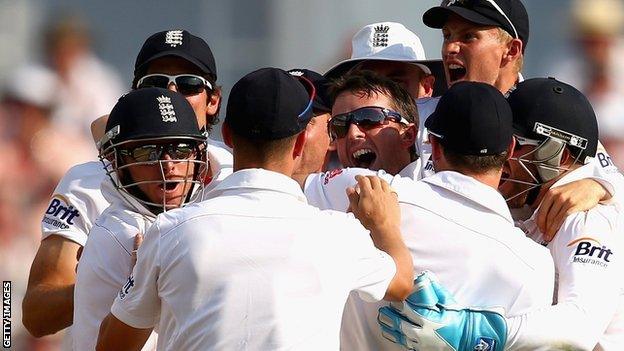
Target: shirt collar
472, 190
412, 170
260, 179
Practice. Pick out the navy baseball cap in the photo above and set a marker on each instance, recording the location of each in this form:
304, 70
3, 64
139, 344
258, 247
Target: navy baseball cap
510, 15
472, 119
270, 104
179, 43
151, 113
546, 107
322, 102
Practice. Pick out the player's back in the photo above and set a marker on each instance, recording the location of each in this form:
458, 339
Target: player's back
260, 269
462, 231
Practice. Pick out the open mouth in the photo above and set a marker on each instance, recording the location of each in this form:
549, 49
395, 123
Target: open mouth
456, 72
169, 186
364, 158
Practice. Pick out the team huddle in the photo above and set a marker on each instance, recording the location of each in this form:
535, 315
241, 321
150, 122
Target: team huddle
393, 203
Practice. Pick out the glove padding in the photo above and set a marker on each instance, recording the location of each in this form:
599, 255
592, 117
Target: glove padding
431, 319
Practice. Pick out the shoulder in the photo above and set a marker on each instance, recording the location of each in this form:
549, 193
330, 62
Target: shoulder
601, 223
85, 176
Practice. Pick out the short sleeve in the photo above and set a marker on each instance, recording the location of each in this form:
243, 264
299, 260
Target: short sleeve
137, 304
606, 173
327, 191
371, 269
76, 203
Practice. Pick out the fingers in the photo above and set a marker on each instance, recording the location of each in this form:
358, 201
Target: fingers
138, 240
543, 211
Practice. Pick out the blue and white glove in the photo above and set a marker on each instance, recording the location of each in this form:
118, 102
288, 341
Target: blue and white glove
430, 319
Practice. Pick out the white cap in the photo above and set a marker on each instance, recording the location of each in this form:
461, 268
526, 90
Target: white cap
387, 41
33, 84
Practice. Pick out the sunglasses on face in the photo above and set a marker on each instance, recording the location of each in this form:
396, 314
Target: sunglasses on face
365, 117
152, 153
186, 84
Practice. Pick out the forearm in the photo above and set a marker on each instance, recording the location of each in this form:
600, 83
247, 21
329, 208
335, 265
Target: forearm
47, 309
116, 335
390, 241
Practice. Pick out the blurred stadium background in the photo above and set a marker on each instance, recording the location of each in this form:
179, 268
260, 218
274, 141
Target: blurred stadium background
64, 62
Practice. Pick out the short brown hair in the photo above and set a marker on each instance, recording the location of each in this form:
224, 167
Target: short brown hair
475, 163
369, 83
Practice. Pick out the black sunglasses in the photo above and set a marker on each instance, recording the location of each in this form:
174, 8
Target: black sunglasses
152, 153
366, 117
186, 84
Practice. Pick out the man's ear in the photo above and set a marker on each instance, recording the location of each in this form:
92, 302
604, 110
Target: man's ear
213, 104
427, 84
300, 144
226, 133
514, 52
408, 136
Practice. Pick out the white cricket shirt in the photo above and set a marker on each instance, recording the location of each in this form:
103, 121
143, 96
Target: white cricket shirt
76, 203
461, 230
589, 310
254, 267
104, 267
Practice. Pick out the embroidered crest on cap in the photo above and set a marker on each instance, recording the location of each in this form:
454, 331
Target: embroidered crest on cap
296, 73
380, 38
174, 38
166, 109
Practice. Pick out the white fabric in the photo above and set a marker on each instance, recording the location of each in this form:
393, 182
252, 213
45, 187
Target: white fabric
103, 269
590, 289
327, 190
254, 267
79, 190
462, 231
387, 41
425, 106
219, 155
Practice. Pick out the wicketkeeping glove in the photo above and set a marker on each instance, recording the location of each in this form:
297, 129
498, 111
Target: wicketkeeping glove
430, 319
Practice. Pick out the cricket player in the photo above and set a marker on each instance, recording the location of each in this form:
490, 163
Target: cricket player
456, 213
485, 41
272, 271
173, 59
153, 152
556, 133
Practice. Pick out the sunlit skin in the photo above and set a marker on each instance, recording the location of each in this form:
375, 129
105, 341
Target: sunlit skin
203, 105
390, 143
317, 143
409, 76
155, 190
472, 52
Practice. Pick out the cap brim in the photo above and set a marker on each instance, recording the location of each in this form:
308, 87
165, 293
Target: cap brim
344, 66
436, 17
434, 66
199, 64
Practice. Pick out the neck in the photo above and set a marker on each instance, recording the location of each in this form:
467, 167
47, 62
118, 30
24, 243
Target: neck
279, 166
506, 81
489, 178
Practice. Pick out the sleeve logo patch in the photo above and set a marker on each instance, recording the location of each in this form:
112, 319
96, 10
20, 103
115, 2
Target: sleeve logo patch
60, 213
331, 174
126, 288
590, 251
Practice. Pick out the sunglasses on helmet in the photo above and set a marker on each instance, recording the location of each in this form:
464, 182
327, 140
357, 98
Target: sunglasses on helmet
186, 84
152, 153
366, 117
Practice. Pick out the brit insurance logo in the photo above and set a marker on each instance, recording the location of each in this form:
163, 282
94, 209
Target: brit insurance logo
591, 251
60, 213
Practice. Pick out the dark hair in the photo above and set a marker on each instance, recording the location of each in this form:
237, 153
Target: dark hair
369, 83
475, 163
